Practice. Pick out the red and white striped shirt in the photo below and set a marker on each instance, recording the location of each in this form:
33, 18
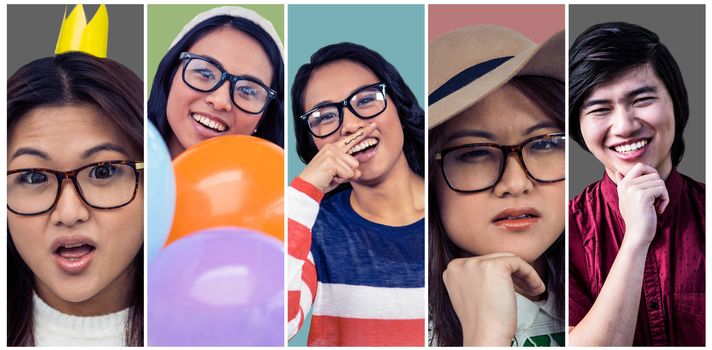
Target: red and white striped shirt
365, 281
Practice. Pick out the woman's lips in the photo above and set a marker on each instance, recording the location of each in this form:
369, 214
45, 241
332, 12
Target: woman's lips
365, 150
517, 219
74, 265
73, 255
204, 131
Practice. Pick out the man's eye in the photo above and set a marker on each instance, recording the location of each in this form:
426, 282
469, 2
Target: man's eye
598, 111
644, 101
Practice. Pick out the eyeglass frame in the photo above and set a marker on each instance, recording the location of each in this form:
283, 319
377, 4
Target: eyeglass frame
137, 166
225, 76
345, 103
506, 150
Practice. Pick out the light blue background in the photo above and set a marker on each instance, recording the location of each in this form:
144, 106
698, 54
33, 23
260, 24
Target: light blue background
397, 32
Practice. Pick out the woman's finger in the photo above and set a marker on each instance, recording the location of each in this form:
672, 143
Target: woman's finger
347, 159
349, 171
345, 143
342, 170
524, 275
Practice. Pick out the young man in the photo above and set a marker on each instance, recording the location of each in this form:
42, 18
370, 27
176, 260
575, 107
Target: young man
637, 273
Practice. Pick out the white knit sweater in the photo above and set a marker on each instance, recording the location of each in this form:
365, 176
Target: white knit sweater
54, 328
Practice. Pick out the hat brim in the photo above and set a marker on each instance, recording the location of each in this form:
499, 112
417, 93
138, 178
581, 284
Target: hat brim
546, 59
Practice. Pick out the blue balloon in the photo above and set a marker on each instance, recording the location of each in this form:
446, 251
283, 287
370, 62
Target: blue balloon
217, 287
161, 192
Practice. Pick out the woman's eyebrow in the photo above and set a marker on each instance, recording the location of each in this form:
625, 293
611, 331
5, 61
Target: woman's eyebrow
322, 104
30, 152
217, 62
254, 78
472, 133
540, 125
106, 146
211, 59
326, 102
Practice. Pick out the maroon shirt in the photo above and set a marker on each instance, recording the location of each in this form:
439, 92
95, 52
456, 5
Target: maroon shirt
672, 306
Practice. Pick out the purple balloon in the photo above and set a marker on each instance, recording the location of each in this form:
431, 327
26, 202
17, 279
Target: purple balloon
217, 287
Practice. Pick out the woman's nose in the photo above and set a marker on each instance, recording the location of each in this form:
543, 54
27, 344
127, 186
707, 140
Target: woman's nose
514, 180
220, 99
351, 123
70, 208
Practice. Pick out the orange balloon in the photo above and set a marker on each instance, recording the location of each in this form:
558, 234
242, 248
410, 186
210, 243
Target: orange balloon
229, 181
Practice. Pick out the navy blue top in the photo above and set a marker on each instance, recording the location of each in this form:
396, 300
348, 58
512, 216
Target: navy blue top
348, 249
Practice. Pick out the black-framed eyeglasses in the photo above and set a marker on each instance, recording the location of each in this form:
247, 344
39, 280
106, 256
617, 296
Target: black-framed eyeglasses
366, 102
477, 167
102, 185
206, 75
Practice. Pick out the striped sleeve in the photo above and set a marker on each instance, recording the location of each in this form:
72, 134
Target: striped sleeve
303, 199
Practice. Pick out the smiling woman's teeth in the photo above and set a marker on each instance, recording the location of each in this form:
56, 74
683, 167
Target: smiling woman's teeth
631, 147
205, 121
362, 145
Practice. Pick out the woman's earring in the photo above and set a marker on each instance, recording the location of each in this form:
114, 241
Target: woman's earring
254, 131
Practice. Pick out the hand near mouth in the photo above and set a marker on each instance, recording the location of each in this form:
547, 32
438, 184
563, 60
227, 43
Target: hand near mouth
482, 289
641, 196
333, 165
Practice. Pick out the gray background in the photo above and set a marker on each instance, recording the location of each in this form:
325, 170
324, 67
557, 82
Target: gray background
32, 32
682, 29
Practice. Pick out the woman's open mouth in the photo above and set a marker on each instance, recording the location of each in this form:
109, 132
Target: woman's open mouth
208, 126
73, 256
516, 219
364, 150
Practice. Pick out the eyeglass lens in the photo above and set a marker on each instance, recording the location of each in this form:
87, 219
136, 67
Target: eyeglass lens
478, 167
104, 186
365, 103
206, 76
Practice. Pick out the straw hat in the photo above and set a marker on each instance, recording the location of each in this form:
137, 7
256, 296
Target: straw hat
467, 64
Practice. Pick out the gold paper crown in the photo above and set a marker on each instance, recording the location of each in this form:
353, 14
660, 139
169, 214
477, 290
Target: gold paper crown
76, 35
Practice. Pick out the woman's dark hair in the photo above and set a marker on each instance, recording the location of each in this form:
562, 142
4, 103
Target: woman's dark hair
411, 115
606, 51
73, 79
548, 95
271, 125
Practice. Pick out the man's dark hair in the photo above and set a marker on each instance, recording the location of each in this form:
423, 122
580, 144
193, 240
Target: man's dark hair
608, 50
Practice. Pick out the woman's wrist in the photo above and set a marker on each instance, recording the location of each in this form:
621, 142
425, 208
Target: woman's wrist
484, 335
474, 338
305, 176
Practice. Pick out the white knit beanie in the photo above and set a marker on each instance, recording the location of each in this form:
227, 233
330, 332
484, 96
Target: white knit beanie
233, 11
